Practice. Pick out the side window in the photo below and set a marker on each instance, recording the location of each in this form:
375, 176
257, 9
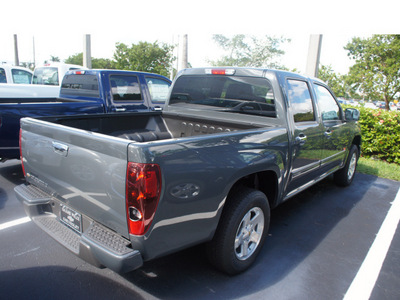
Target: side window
327, 104
21, 76
158, 89
80, 86
125, 88
300, 101
3, 77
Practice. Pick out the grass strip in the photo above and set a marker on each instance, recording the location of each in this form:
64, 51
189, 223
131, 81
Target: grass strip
378, 168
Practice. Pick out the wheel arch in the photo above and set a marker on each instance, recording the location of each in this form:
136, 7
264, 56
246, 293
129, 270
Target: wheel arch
264, 181
357, 142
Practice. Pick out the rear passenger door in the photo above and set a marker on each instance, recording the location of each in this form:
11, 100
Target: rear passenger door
158, 89
126, 94
307, 143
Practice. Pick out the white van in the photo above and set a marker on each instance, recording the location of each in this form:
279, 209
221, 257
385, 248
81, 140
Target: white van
15, 75
52, 73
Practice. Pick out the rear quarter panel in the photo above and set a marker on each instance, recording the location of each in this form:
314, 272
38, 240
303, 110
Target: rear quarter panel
197, 175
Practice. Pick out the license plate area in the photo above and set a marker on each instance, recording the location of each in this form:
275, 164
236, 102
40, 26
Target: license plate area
71, 218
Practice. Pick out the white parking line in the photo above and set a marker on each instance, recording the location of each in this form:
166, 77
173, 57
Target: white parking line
364, 282
14, 223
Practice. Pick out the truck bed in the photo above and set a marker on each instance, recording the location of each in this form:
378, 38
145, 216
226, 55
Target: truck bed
145, 127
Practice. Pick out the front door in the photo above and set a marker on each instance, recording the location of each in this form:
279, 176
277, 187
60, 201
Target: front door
307, 143
336, 133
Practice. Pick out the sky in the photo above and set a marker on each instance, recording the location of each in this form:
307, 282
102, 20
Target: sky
57, 28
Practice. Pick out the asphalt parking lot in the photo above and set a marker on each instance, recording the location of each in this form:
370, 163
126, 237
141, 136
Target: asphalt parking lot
318, 248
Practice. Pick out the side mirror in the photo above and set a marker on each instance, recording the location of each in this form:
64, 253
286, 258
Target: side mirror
352, 114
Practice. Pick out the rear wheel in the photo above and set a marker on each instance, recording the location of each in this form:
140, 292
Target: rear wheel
241, 232
345, 176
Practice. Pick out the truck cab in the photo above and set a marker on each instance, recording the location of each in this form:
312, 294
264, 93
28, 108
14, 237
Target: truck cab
15, 75
52, 73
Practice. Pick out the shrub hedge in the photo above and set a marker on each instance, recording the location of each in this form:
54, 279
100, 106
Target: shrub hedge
380, 134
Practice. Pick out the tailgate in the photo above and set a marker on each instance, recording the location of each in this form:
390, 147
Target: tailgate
85, 171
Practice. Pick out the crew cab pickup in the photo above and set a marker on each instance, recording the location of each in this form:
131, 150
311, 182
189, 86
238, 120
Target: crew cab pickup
14, 75
83, 91
230, 145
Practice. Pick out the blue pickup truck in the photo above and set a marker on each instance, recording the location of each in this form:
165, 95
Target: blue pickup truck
84, 92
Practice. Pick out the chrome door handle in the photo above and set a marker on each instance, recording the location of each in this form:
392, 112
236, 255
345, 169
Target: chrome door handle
301, 139
60, 148
328, 133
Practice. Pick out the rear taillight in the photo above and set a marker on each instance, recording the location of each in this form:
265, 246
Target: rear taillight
143, 187
20, 152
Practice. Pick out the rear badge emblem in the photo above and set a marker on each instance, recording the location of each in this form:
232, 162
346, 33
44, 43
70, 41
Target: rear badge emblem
185, 190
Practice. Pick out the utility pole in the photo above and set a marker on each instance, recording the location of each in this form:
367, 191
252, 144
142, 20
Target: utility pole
34, 55
87, 51
314, 52
171, 75
183, 57
16, 61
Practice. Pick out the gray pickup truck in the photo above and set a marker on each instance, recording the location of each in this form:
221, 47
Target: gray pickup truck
231, 144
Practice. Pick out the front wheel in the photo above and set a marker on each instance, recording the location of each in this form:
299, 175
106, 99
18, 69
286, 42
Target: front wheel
344, 177
241, 232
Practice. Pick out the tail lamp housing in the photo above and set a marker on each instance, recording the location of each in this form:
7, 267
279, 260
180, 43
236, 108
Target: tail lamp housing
143, 187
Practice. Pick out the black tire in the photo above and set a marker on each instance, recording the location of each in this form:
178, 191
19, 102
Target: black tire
345, 176
235, 246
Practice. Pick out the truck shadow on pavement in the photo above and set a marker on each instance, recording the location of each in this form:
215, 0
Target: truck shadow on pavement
297, 227
12, 173
56, 282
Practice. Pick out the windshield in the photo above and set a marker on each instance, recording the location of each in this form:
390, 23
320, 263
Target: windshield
46, 75
246, 95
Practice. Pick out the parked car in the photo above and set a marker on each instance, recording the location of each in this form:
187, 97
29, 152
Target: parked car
343, 101
392, 106
52, 73
15, 75
380, 105
230, 145
370, 105
83, 91
46, 81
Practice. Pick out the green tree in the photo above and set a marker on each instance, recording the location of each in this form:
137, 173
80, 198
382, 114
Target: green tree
102, 63
97, 63
144, 57
76, 59
54, 58
338, 83
376, 72
249, 51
